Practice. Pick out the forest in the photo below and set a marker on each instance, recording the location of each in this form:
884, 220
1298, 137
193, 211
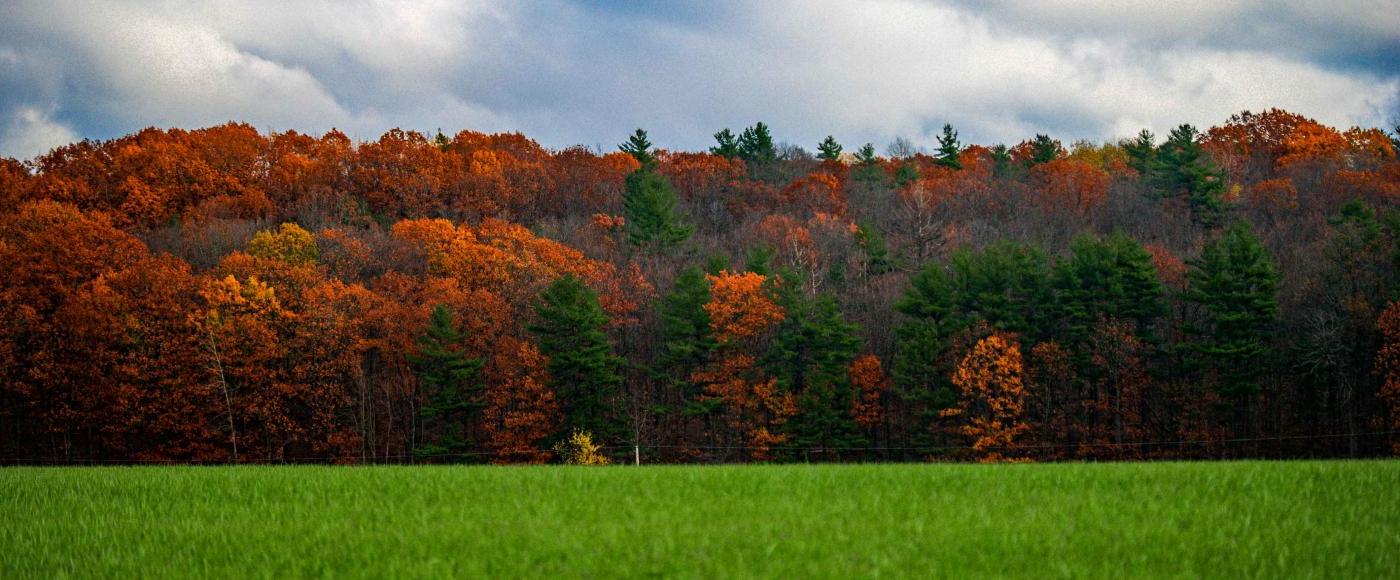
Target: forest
222, 295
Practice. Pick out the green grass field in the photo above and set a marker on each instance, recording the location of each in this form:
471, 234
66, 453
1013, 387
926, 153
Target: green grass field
1247, 519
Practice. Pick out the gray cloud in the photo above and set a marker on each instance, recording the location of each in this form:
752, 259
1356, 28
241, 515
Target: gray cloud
1336, 32
588, 72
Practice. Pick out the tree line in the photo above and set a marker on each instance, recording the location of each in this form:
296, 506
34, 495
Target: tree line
221, 295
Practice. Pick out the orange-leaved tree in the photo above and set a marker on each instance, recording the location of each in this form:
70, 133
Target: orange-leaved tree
992, 397
1072, 184
742, 313
48, 251
872, 386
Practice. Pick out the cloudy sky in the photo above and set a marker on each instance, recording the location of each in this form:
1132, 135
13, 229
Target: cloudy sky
587, 72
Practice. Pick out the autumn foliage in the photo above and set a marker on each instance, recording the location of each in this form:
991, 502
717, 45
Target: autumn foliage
992, 397
873, 385
741, 312
224, 295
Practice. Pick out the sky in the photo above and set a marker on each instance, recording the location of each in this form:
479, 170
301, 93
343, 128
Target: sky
571, 72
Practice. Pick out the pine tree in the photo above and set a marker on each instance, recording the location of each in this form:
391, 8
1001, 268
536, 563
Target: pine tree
727, 145
905, 174
1111, 277
865, 157
1235, 283
447, 382
640, 149
649, 204
1001, 162
756, 145
1182, 170
829, 149
1007, 285
760, 259
1044, 149
1142, 152
919, 373
867, 164
949, 148
1357, 261
716, 263
1108, 281
687, 341
811, 353
582, 368
878, 259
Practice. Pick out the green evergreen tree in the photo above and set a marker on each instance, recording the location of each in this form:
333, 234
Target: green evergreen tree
441, 141
582, 368
1357, 215
1389, 219
829, 149
836, 275
716, 263
1357, 260
1111, 277
639, 148
760, 259
727, 145
811, 354
878, 259
447, 381
1001, 162
920, 373
865, 157
1142, 152
867, 164
906, 173
1044, 149
1181, 169
1008, 285
649, 206
1105, 278
948, 148
687, 340
756, 145
1235, 283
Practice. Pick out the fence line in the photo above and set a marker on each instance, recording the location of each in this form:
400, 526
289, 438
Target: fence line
773, 448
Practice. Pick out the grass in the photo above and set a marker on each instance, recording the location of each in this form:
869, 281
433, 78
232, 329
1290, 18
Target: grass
1229, 520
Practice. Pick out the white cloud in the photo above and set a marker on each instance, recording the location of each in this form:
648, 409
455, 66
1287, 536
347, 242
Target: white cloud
362, 67
568, 73
30, 132
406, 48
155, 71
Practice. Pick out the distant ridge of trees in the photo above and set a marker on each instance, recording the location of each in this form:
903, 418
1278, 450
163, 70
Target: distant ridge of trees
220, 295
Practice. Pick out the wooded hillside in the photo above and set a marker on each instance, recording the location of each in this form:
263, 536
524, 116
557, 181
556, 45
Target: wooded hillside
220, 295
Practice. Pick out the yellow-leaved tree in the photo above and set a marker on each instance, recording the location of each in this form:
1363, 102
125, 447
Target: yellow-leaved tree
580, 449
992, 397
